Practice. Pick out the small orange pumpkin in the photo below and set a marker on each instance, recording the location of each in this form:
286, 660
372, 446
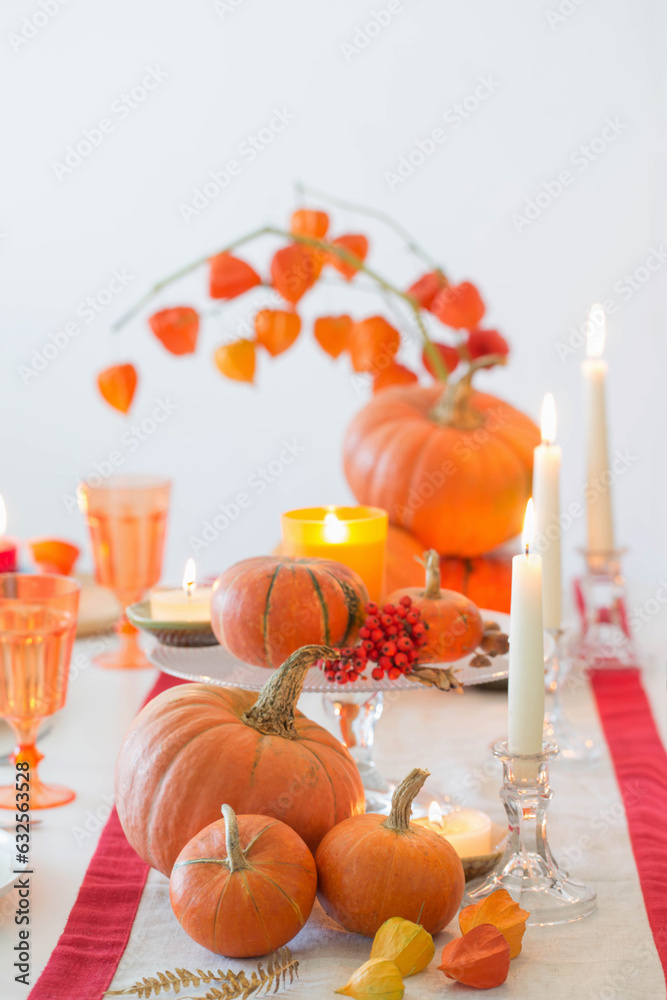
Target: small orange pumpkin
454, 624
264, 608
243, 886
374, 867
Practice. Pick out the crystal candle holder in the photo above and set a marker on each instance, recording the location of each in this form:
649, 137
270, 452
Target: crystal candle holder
606, 640
528, 869
572, 748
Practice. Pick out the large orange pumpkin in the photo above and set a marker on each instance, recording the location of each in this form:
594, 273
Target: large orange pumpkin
454, 468
403, 566
486, 580
454, 624
243, 886
264, 608
374, 867
196, 746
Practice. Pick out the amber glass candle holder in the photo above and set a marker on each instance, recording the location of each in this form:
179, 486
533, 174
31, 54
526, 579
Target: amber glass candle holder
354, 536
528, 869
37, 630
127, 519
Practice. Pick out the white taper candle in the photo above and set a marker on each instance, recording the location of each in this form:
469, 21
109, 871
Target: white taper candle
546, 496
598, 479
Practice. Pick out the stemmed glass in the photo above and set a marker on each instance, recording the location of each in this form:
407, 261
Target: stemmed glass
127, 518
37, 629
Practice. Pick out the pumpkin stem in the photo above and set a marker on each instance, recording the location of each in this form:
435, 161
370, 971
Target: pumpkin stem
273, 712
432, 567
235, 856
453, 407
401, 800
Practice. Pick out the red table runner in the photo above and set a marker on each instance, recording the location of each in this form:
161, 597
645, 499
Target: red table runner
85, 959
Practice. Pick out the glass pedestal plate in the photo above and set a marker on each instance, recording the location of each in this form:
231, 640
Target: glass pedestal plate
356, 708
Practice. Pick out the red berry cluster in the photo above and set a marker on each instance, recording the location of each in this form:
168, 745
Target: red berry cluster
389, 638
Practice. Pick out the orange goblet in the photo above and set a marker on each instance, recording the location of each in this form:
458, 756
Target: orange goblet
37, 629
127, 518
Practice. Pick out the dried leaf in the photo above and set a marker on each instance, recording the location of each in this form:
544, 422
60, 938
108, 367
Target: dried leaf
230, 276
232, 984
444, 680
176, 329
499, 910
117, 385
481, 958
236, 360
276, 329
354, 244
332, 333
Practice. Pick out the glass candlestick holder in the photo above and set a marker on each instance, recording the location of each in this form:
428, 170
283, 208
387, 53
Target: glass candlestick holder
528, 869
606, 640
572, 747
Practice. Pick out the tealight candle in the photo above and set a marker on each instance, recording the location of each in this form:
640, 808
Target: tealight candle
8, 547
546, 476
190, 603
598, 481
467, 830
354, 536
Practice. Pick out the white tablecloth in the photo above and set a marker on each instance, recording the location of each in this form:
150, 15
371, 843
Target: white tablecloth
609, 956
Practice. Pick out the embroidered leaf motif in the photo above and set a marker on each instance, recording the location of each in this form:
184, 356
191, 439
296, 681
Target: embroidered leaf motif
232, 985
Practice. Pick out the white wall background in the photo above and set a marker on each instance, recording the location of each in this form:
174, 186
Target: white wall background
558, 77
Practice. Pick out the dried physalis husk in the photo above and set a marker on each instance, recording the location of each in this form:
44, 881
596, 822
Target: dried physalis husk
408, 945
376, 979
500, 910
481, 958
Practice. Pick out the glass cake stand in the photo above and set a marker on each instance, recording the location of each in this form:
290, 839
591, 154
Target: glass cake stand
357, 707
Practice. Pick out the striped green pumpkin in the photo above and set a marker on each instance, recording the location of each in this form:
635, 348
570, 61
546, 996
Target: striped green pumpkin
265, 608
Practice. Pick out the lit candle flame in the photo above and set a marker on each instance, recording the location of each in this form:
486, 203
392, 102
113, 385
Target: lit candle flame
3, 516
435, 814
189, 576
597, 329
548, 419
334, 529
529, 526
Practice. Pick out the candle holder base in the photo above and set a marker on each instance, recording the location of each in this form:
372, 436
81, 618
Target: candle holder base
572, 748
528, 869
606, 640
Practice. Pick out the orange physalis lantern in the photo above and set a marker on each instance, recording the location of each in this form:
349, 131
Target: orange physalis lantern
117, 385
276, 329
53, 555
458, 306
236, 360
425, 289
499, 910
355, 244
373, 343
308, 222
230, 276
294, 270
393, 374
332, 333
449, 355
480, 958
481, 342
176, 329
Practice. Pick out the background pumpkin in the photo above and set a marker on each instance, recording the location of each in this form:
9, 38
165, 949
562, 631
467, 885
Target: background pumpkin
455, 469
243, 886
264, 608
374, 867
196, 746
454, 624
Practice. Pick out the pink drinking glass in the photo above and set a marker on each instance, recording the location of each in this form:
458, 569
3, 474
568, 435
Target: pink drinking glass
127, 518
37, 629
